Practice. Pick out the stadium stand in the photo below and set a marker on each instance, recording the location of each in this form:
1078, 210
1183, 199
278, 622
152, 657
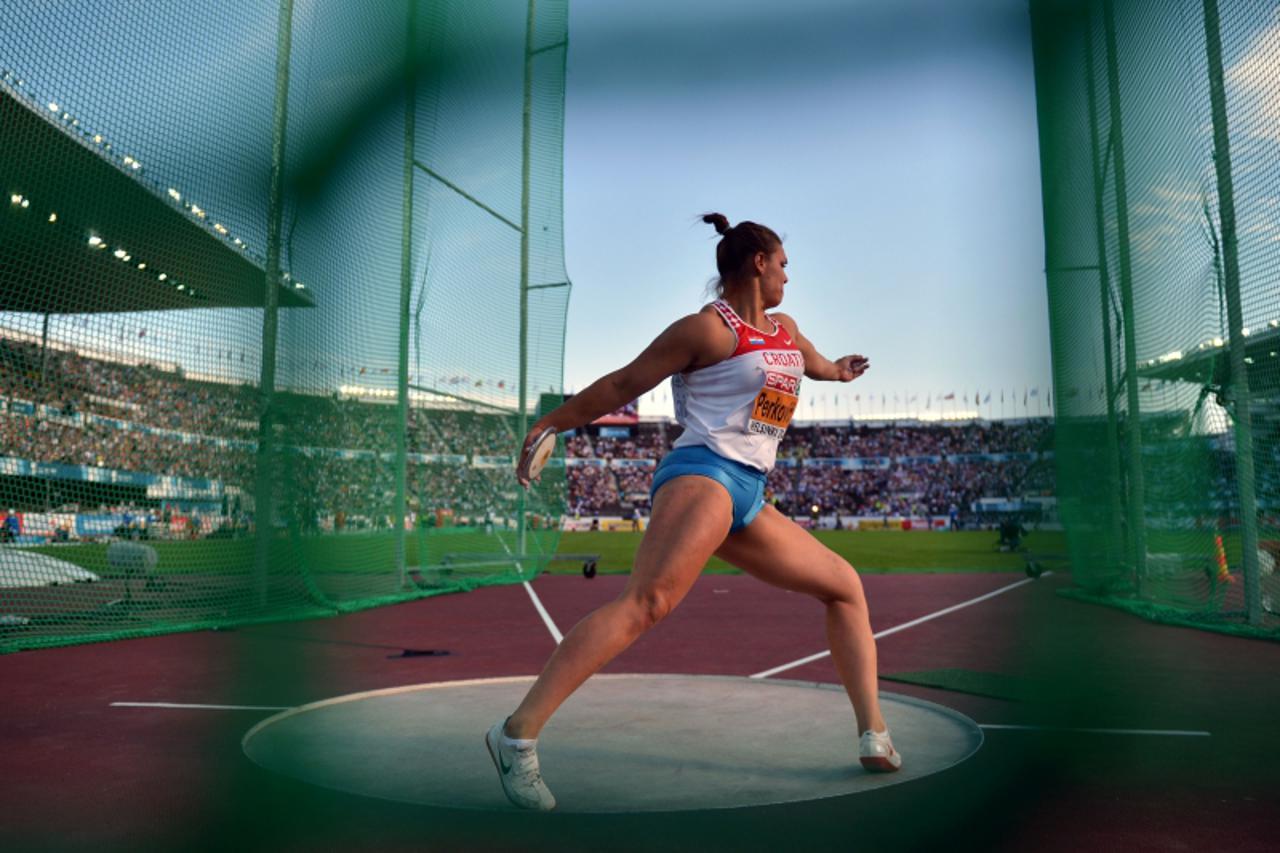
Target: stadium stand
848, 469
104, 414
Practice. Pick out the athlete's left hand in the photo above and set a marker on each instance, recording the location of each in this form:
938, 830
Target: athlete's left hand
851, 367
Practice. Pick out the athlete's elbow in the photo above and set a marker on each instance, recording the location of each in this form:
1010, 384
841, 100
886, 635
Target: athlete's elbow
626, 386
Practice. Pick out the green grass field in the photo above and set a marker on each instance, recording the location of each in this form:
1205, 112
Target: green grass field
867, 550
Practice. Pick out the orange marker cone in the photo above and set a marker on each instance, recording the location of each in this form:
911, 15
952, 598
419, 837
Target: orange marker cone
1224, 574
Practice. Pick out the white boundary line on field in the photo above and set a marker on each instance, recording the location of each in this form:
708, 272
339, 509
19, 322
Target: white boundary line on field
904, 626
201, 707
1157, 732
508, 679
542, 611
537, 602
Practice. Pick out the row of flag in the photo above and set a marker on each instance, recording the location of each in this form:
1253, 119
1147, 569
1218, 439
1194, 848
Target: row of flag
978, 399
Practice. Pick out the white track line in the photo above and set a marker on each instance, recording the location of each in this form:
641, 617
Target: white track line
904, 626
984, 726
542, 611
1157, 732
201, 707
537, 602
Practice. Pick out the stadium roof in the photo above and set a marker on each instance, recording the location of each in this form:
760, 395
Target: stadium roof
50, 168
1210, 362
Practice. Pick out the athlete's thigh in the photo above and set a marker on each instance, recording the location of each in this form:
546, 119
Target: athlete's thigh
691, 517
780, 552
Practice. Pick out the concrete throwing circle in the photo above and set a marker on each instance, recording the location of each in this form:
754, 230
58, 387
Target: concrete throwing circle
622, 743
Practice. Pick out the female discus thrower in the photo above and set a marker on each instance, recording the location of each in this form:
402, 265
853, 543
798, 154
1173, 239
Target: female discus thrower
736, 374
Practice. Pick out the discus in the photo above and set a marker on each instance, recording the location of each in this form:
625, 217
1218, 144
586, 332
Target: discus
535, 458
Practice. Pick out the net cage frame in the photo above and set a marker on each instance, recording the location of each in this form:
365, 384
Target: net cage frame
518, 50
1164, 172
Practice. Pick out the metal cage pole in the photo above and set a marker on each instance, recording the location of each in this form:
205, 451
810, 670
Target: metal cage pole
1115, 542
406, 287
1240, 397
264, 500
522, 417
1137, 491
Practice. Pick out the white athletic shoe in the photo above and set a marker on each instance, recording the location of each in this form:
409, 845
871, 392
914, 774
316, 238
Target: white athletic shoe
518, 770
877, 753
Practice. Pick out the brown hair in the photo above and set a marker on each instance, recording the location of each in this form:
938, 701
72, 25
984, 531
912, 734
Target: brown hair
739, 245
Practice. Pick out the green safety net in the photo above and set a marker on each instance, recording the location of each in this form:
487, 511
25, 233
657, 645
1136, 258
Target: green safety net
1160, 150
281, 288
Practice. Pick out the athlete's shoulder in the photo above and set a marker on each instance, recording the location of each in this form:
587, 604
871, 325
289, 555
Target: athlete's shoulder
789, 324
706, 320
786, 322
704, 335
698, 329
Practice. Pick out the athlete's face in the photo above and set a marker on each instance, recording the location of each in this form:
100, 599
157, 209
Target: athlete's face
773, 276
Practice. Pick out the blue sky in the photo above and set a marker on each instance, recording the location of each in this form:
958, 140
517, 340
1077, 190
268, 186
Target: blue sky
893, 144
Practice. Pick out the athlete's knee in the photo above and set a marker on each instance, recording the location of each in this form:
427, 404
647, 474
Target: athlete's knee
649, 606
846, 587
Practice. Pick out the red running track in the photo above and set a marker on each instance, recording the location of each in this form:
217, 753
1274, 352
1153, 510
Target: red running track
79, 773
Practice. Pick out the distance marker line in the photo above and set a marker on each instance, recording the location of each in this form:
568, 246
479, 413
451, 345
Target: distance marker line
1155, 732
201, 707
542, 611
904, 626
537, 602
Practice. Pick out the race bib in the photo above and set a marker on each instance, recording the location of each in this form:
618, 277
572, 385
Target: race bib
774, 406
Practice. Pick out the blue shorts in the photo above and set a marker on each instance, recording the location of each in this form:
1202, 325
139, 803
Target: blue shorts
744, 483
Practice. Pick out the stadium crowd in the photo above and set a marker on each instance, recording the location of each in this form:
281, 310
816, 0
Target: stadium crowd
917, 487
915, 440
158, 397
323, 476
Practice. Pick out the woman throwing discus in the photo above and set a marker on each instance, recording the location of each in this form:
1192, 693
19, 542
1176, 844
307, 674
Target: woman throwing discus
736, 371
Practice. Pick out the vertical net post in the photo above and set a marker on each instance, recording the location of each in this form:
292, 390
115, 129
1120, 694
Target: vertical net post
44, 352
1115, 537
1136, 503
406, 287
1239, 381
522, 417
264, 501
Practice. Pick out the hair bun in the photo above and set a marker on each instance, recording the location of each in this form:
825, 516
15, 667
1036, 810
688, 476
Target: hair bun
719, 220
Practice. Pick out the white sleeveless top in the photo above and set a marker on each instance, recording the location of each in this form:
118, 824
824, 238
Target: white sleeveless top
740, 407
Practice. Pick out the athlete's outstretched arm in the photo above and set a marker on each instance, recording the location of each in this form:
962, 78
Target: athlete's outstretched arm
693, 341
818, 366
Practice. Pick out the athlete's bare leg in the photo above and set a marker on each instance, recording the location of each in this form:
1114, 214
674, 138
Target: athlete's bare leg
691, 517
782, 553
